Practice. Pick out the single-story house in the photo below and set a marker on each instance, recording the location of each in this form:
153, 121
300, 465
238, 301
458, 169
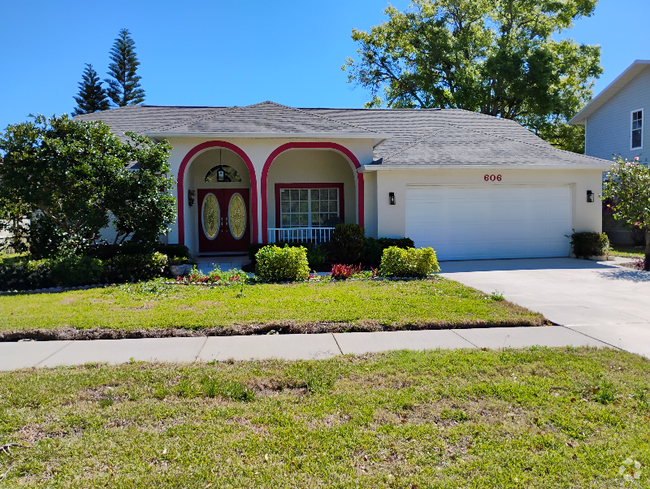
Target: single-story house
469, 185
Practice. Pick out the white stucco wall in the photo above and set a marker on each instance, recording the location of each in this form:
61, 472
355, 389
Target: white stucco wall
258, 151
391, 219
313, 166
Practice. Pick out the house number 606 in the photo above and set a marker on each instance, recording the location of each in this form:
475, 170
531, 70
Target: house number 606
492, 178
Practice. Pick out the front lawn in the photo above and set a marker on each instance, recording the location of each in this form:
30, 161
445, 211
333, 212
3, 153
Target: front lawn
626, 251
432, 303
537, 417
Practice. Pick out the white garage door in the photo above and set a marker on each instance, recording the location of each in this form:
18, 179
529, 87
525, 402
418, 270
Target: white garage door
463, 223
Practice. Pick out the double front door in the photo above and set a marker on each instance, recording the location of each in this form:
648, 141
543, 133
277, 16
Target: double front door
223, 220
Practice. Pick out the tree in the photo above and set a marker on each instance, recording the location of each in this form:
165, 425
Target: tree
496, 57
70, 177
124, 86
627, 188
92, 96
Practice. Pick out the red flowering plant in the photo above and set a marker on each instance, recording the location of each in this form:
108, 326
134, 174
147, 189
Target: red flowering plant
341, 271
627, 187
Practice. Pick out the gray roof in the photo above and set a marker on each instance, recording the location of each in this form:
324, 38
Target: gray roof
413, 137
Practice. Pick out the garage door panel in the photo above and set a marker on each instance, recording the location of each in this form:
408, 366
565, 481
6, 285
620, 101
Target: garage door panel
490, 222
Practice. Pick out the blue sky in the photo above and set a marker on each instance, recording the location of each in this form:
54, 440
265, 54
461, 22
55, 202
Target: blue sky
229, 52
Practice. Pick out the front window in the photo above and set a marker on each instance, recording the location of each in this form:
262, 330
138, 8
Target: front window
309, 207
637, 129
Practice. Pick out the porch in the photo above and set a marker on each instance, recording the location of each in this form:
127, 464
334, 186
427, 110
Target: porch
308, 234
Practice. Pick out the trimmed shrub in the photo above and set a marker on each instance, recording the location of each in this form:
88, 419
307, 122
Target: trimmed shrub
411, 262
316, 253
288, 264
20, 273
75, 270
373, 249
134, 268
589, 244
347, 244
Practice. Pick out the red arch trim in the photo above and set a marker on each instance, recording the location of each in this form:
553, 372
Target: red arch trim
311, 145
180, 186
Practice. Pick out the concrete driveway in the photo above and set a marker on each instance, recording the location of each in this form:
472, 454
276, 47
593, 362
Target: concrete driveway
607, 302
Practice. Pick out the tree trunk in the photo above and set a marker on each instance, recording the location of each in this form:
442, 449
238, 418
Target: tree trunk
646, 265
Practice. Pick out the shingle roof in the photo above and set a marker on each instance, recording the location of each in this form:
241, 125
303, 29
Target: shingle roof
417, 136
266, 117
456, 137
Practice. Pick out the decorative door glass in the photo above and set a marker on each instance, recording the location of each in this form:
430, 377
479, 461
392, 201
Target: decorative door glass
211, 216
237, 216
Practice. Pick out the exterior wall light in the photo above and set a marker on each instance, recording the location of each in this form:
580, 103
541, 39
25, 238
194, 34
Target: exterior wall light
391, 198
190, 197
590, 196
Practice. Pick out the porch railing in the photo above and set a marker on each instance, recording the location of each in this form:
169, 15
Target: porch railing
300, 235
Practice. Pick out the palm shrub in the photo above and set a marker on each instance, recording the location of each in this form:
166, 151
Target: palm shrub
410, 262
288, 264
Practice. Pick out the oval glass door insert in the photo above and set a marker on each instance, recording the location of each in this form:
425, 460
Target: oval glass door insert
237, 216
210, 215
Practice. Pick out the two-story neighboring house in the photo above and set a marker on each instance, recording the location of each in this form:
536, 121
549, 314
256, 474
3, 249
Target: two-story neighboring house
615, 125
614, 120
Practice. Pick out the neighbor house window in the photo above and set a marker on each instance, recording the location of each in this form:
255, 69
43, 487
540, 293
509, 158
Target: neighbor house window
308, 206
637, 129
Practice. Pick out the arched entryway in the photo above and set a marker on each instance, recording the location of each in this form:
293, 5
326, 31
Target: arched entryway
218, 187
307, 188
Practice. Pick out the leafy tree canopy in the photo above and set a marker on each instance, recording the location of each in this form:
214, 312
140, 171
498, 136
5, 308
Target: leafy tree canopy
124, 85
71, 177
92, 96
627, 189
496, 57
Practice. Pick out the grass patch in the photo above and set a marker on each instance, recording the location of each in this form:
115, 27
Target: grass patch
158, 305
626, 251
536, 417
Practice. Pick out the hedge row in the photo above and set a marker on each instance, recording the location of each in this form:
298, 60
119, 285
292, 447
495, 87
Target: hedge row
116, 266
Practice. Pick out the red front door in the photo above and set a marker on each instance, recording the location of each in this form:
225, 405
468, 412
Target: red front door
224, 221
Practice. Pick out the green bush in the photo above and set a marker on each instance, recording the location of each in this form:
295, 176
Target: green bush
21, 273
411, 262
374, 248
589, 244
316, 253
76, 270
275, 264
347, 243
134, 268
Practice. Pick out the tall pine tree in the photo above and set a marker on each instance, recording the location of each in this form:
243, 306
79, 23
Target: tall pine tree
92, 96
124, 86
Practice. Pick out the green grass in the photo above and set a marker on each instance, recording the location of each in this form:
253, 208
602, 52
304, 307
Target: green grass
159, 305
537, 417
626, 251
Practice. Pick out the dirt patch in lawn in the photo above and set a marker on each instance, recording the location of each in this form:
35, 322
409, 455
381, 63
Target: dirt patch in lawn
281, 327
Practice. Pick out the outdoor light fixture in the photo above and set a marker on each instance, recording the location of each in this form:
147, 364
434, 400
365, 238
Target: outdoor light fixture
590, 196
391, 198
221, 176
190, 197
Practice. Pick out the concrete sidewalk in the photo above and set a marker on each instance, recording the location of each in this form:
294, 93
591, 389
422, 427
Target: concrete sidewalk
25, 354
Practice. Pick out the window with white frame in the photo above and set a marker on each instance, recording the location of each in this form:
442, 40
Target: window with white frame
637, 129
308, 207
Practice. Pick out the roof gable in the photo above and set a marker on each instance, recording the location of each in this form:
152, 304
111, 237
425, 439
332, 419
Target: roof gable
612, 89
